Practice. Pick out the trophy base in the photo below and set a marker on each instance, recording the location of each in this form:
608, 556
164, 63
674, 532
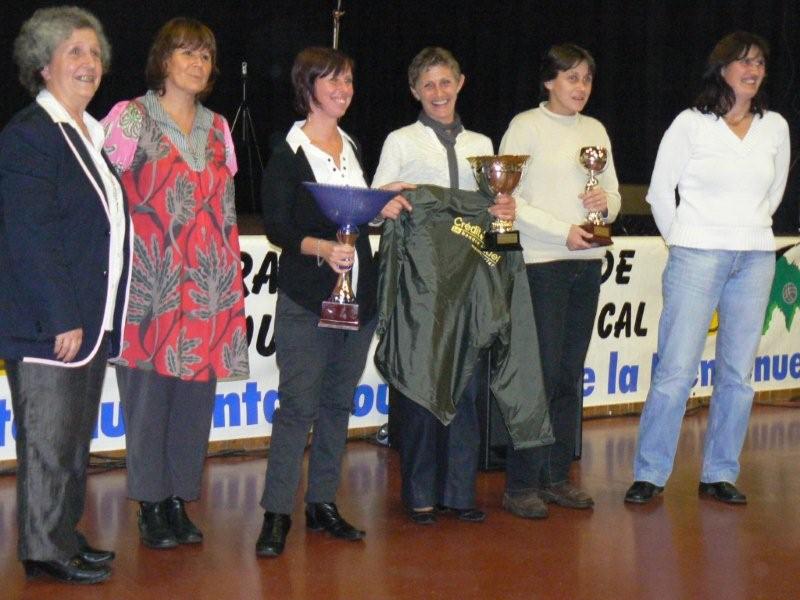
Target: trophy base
501, 241
601, 234
339, 315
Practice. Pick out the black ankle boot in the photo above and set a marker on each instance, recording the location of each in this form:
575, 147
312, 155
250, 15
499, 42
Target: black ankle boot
272, 539
324, 516
185, 531
153, 526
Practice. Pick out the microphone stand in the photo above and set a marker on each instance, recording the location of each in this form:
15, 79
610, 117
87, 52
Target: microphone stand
338, 13
248, 142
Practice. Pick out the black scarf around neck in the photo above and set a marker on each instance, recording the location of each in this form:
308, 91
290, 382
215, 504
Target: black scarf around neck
447, 135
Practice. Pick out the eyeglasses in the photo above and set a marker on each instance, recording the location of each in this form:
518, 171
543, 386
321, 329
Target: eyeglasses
758, 63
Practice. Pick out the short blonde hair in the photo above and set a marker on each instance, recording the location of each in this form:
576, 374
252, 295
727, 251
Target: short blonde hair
431, 57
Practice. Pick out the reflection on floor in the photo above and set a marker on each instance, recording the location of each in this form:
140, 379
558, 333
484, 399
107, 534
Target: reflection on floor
677, 547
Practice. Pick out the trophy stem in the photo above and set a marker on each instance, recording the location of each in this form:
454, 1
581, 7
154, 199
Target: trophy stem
593, 159
340, 310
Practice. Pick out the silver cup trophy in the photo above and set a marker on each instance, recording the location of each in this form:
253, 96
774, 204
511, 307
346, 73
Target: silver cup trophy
594, 160
499, 175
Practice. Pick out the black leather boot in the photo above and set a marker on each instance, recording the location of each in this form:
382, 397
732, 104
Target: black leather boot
272, 538
324, 516
153, 526
185, 531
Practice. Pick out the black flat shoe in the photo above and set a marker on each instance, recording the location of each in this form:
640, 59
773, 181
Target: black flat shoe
641, 492
154, 530
422, 517
272, 538
90, 555
324, 516
722, 491
72, 570
471, 515
185, 531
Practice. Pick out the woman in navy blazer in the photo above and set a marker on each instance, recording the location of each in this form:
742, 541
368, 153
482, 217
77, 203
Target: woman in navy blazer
64, 248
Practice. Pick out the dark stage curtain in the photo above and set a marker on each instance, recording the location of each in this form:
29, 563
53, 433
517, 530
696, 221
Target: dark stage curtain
649, 55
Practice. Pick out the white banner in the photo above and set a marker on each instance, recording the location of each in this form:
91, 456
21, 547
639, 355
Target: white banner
617, 371
623, 348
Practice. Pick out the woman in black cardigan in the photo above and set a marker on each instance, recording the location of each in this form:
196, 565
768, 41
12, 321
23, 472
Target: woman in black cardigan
319, 367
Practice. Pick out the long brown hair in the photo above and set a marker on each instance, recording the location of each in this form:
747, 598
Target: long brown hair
716, 96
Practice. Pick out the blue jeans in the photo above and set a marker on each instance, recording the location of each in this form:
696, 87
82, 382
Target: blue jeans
695, 282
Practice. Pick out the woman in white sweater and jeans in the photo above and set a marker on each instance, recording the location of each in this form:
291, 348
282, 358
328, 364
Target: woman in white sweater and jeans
728, 156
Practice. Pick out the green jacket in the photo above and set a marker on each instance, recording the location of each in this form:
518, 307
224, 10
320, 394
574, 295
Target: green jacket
442, 300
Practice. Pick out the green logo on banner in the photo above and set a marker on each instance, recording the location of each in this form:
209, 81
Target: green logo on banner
785, 293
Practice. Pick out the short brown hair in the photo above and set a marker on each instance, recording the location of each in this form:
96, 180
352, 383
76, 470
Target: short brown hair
180, 32
563, 57
431, 56
311, 64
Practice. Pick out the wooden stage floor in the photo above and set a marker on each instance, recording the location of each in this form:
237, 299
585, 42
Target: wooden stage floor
677, 547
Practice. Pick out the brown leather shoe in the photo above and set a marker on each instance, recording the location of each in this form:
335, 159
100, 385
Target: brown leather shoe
567, 495
527, 505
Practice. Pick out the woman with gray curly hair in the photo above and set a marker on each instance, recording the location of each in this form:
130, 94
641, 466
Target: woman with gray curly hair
64, 248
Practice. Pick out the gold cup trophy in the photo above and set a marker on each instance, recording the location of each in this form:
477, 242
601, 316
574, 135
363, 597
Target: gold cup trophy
499, 175
594, 160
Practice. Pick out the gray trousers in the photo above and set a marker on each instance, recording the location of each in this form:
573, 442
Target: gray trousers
167, 422
319, 370
55, 409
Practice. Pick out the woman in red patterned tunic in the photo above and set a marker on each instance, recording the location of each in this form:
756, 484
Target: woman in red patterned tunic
185, 327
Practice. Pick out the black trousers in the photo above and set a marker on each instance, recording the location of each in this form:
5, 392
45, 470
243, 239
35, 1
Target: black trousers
319, 371
565, 295
167, 423
55, 409
438, 463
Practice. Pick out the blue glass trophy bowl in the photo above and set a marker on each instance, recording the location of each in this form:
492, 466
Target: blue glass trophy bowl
348, 207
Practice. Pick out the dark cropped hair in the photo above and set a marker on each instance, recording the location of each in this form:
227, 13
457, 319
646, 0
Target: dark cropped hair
431, 56
43, 32
716, 96
311, 64
180, 32
562, 57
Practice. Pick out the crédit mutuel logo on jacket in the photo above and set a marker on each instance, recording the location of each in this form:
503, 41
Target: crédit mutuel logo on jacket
474, 233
